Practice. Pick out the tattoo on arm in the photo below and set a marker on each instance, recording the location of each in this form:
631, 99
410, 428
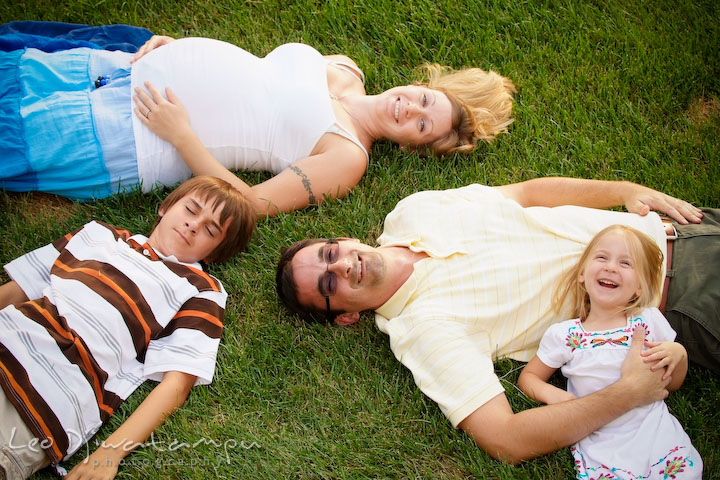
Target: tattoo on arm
305, 182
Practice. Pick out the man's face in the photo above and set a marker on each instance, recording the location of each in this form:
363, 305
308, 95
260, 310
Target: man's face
360, 281
190, 229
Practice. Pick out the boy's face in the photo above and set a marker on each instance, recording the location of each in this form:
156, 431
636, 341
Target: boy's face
190, 230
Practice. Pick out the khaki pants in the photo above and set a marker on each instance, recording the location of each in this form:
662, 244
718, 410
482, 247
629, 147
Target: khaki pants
20, 453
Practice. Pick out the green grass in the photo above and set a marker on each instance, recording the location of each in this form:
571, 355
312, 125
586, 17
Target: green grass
608, 90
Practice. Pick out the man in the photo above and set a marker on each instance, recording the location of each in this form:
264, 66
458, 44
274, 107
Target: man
465, 276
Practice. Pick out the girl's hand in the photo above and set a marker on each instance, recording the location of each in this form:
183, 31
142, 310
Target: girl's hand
154, 42
167, 119
664, 354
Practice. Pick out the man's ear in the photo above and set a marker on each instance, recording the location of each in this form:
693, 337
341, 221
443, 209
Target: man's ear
346, 319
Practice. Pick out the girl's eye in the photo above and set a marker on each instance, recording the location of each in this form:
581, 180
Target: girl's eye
210, 231
422, 125
189, 210
424, 100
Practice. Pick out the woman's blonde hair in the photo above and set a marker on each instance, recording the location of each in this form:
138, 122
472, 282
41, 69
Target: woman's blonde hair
481, 102
647, 260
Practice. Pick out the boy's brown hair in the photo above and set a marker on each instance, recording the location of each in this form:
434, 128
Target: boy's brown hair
236, 208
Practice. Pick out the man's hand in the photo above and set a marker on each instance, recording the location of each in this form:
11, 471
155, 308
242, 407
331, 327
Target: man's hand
642, 199
646, 386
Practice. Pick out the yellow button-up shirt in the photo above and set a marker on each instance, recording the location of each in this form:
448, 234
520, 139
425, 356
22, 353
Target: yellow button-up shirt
485, 290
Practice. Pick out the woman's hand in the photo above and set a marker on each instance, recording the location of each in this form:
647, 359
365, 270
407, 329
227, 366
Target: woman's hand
664, 354
154, 42
167, 119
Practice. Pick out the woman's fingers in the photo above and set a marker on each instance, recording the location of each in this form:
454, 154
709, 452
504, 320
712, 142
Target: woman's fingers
156, 95
154, 42
142, 99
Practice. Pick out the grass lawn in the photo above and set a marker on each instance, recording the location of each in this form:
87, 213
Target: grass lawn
608, 90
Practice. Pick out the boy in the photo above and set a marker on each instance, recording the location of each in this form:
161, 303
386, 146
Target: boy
108, 311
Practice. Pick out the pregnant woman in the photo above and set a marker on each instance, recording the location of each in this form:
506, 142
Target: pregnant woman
68, 125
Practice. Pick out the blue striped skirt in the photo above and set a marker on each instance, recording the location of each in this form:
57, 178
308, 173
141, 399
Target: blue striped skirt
58, 132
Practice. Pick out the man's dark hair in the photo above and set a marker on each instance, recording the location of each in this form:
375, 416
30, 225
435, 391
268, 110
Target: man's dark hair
287, 289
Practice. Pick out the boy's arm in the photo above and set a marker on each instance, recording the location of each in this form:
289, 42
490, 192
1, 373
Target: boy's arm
165, 398
11, 293
533, 381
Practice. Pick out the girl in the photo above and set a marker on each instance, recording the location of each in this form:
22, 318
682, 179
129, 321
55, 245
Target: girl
611, 290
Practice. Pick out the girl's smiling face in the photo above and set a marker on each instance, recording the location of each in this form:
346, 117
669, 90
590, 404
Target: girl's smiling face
609, 274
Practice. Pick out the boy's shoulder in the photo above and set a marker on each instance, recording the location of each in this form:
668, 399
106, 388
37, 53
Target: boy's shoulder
96, 230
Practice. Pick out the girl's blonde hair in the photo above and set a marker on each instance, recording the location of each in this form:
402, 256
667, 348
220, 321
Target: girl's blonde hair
648, 262
481, 102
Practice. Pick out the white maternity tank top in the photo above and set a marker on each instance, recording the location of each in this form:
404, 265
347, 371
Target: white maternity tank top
251, 113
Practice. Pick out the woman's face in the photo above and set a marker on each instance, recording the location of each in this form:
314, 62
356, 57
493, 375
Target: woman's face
414, 115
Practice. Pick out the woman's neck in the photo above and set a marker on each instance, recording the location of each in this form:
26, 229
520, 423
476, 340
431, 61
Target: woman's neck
361, 109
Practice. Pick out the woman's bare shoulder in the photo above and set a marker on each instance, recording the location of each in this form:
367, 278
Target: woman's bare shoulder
340, 147
341, 59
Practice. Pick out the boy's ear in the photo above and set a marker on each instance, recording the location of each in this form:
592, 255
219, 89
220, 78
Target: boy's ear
346, 319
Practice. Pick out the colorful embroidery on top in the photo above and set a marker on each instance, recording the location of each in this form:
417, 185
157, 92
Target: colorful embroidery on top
577, 338
575, 341
596, 342
674, 467
672, 470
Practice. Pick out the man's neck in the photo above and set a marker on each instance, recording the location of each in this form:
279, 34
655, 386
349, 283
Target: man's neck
403, 264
